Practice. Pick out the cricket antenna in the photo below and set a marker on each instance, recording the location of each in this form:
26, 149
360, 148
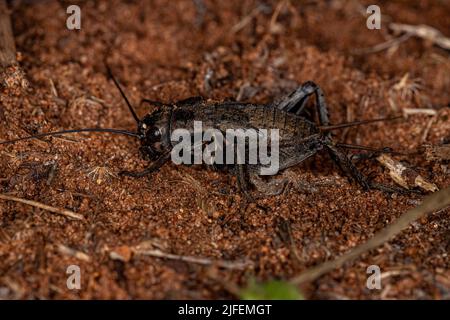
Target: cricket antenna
355, 123
57, 133
365, 148
130, 107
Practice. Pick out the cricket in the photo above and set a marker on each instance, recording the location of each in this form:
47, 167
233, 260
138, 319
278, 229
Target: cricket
299, 139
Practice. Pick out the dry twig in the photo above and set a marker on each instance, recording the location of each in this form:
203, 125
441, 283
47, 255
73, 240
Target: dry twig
383, 46
240, 265
7, 45
435, 202
64, 212
421, 31
11, 75
247, 19
424, 32
412, 111
406, 177
73, 253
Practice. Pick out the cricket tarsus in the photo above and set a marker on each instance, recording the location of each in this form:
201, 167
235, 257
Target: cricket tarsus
154, 166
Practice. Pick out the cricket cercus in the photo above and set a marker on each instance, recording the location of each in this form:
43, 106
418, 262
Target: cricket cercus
298, 137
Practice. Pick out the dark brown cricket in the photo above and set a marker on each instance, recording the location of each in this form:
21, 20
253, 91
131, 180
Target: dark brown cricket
299, 137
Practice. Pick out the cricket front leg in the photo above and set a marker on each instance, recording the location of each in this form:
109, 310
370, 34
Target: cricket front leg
154, 166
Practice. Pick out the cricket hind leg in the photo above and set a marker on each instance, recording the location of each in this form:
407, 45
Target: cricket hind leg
245, 180
290, 154
295, 102
345, 164
274, 187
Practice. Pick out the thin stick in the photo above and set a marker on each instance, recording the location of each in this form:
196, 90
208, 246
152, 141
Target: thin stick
64, 212
7, 45
404, 176
73, 253
435, 202
413, 111
203, 261
427, 129
421, 31
247, 19
424, 32
384, 45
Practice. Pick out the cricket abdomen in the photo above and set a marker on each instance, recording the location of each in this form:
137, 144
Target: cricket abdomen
232, 115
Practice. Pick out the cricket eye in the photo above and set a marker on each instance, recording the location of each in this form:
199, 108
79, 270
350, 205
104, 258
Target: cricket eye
156, 133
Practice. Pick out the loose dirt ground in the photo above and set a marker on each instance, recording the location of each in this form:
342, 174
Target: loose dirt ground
256, 51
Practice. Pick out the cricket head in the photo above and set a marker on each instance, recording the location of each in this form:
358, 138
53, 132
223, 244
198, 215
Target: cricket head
154, 134
153, 130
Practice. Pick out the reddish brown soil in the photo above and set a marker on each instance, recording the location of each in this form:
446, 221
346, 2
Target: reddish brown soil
162, 50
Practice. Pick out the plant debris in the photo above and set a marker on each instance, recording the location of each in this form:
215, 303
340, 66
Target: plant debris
64, 212
435, 202
404, 176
